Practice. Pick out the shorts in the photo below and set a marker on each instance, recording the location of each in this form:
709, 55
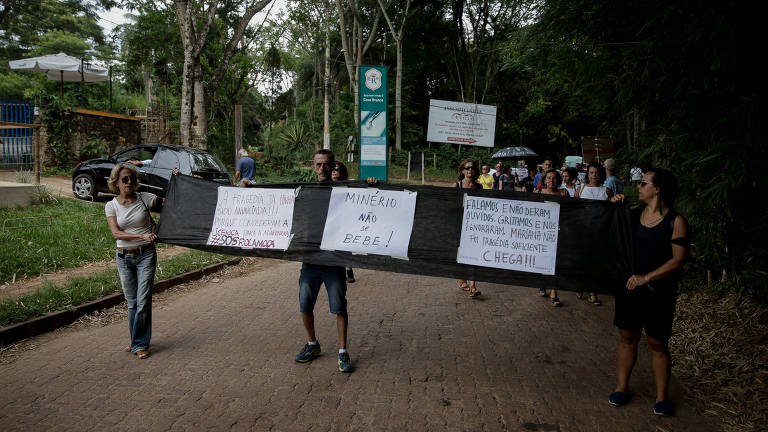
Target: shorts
646, 309
335, 279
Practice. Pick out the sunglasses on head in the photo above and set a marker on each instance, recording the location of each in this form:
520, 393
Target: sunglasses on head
126, 179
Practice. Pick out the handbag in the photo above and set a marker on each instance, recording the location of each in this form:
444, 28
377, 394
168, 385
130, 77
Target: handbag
152, 223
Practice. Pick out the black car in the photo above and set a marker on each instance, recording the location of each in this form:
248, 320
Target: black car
157, 163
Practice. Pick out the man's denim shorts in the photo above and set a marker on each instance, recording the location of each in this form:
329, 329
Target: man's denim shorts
312, 276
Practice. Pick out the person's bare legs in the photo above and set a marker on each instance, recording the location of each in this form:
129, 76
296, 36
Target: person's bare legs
626, 357
309, 325
341, 324
661, 361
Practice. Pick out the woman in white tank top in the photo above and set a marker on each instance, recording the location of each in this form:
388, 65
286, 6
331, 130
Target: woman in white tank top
569, 178
594, 190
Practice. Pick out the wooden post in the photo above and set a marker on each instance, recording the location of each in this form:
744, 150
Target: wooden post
422, 167
434, 160
238, 129
408, 171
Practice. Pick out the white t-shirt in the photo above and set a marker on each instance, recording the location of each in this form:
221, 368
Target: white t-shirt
133, 218
637, 174
571, 191
594, 193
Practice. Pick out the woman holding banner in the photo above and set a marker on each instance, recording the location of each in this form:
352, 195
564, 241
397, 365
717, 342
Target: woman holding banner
661, 245
551, 186
468, 175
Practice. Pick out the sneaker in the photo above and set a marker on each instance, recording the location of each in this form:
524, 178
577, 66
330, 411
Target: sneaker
345, 364
308, 353
618, 398
662, 408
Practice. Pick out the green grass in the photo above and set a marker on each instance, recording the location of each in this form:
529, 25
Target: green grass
79, 290
65, 234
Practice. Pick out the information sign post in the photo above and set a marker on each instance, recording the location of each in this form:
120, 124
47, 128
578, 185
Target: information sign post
373, 122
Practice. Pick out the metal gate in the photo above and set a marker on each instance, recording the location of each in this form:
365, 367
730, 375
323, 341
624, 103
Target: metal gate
16, 151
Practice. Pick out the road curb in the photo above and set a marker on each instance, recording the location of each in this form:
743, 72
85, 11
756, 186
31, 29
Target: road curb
54, 320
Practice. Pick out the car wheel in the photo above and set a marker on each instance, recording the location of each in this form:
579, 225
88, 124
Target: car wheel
84, 187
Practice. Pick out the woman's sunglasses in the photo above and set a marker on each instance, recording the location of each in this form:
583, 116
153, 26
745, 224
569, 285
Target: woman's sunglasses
469, 168
127, 179
645, 183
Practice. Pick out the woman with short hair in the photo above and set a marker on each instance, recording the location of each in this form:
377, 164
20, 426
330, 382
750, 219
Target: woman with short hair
570, 177
467, 179
131, 225
485, 179
661, 246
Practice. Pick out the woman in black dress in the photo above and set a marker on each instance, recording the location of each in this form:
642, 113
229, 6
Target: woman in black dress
468, 174
661, 245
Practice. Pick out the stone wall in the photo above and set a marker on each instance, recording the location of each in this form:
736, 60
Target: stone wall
114, 132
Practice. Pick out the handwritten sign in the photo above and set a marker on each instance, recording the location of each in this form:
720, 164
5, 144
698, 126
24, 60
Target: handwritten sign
368, 220
251, 218
509, 234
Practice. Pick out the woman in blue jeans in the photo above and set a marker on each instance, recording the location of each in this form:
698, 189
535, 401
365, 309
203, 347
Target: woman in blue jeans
130, 223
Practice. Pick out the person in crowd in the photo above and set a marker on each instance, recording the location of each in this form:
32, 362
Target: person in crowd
340, 173
485, 179
551, 186
636, 175
131, 225
611, 181
467, 179
497, 175
581, 174
661, 246
594, 190
245, 170
546, 165
528, 183
507, 180
569, 181
314, 275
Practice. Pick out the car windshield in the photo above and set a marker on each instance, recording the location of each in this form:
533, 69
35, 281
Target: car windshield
205, 162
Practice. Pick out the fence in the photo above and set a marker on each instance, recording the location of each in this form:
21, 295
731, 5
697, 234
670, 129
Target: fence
16, 149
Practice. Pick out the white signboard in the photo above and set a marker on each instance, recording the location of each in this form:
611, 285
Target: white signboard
509, 234
251, 218
369, 220
461, 123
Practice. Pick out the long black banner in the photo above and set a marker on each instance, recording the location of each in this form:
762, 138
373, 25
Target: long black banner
594, 249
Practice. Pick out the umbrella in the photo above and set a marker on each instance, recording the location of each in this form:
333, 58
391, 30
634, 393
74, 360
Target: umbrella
61, 67
514, 153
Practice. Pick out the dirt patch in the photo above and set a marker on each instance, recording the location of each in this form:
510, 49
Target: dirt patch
11, 290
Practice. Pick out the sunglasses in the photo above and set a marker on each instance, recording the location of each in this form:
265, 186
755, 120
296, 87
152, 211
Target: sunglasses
127, 179
336, 169
645, 183
469, 168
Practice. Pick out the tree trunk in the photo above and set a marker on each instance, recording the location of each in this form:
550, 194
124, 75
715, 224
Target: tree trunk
398, 96
185, 116
199, 111
326, 102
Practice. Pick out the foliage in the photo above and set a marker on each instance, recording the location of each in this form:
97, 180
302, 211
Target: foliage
94, 147
25, 176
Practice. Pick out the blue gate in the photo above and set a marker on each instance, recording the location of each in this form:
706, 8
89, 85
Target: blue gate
16, 150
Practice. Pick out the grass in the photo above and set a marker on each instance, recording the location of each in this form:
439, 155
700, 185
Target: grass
44, 238
79, 290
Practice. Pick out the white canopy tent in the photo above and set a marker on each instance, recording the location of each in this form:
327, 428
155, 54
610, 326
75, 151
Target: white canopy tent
61, 67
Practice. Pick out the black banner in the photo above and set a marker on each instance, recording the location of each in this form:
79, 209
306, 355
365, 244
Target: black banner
594, 250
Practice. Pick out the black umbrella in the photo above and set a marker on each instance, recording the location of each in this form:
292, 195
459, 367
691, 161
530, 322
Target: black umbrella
514, 153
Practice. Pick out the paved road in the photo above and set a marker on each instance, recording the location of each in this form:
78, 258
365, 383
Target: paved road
427, 357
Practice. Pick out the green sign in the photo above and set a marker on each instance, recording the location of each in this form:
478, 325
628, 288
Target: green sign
373, 122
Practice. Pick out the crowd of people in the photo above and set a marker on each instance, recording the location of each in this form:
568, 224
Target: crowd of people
646, 303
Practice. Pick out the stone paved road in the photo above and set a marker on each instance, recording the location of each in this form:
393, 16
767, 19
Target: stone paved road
427, 357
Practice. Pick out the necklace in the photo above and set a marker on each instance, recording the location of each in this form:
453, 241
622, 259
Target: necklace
649, 223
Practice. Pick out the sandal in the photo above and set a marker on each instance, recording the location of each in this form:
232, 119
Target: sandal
594, 300
142, 354
474, 294
542, 292
127, 348
556, 302
463, 286
580, 295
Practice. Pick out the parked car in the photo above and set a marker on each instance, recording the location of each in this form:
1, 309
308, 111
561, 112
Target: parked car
158, 160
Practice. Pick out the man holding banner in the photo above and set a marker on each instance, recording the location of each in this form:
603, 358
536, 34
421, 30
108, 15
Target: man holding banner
334, 278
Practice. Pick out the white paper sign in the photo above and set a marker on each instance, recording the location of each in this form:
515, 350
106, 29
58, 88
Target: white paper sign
251, 218
461, 123
509, 234
369, 220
